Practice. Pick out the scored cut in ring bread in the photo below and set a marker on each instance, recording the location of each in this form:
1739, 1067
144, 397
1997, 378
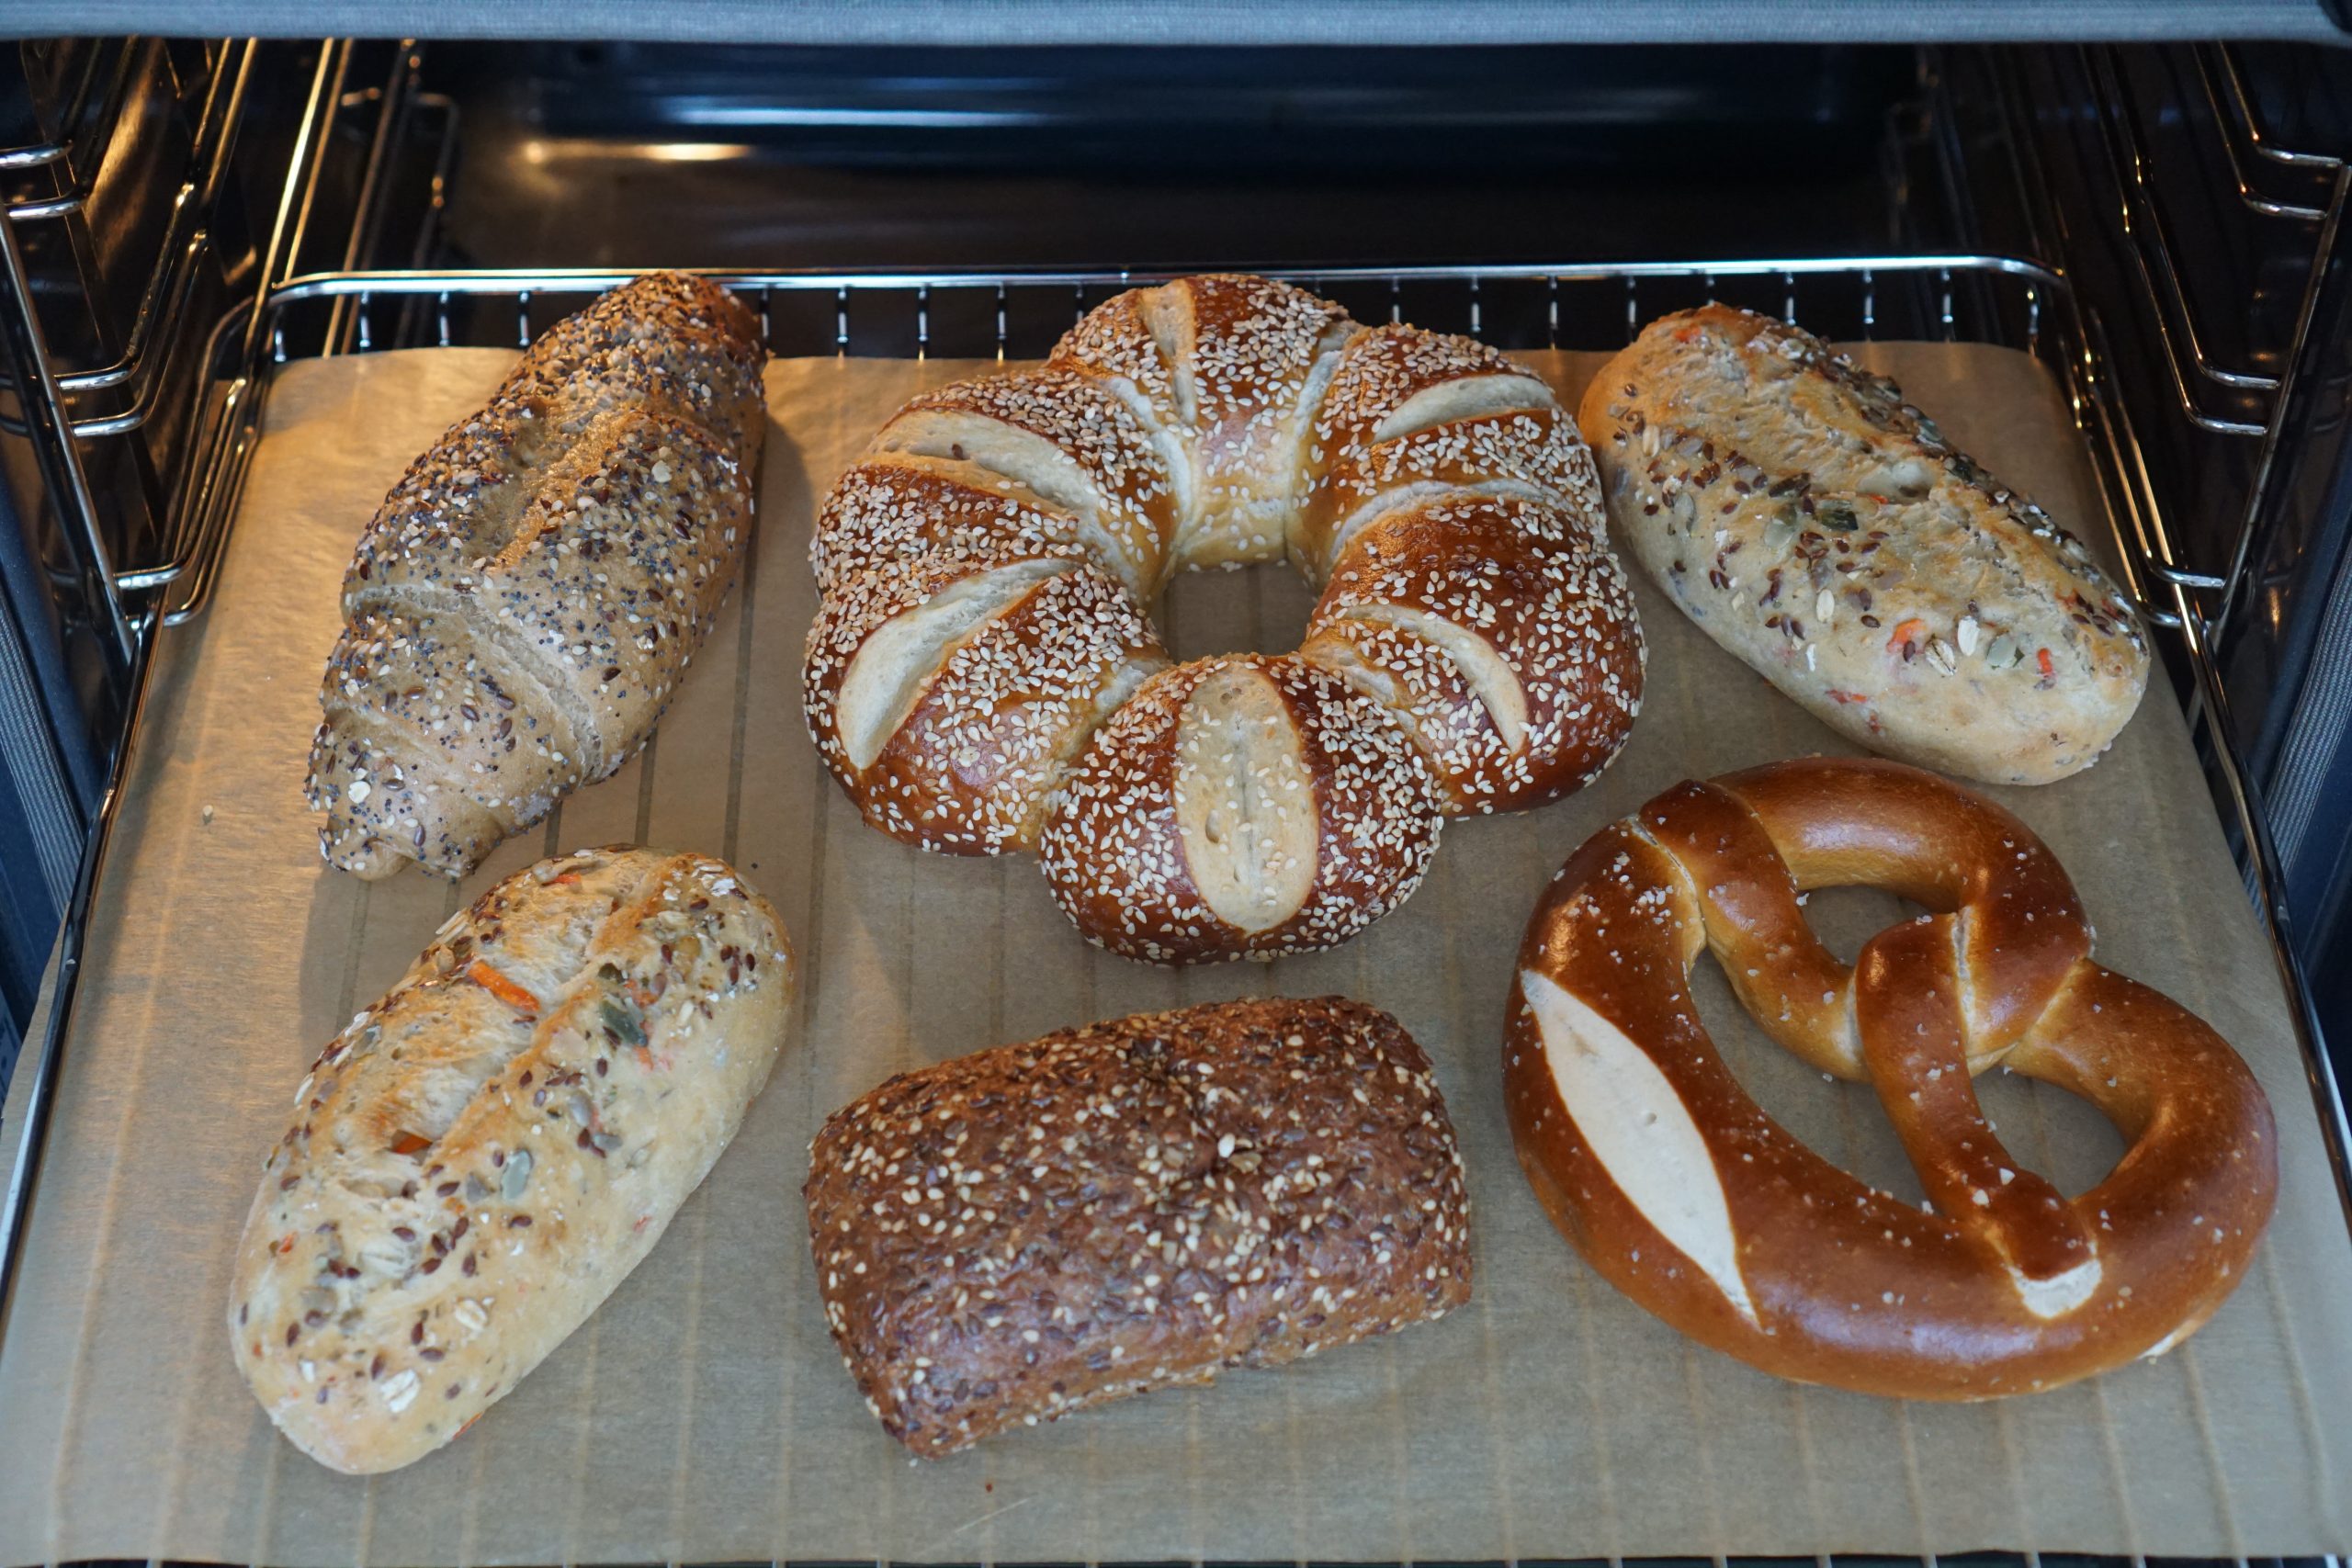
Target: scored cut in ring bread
989, 569
1679, 1189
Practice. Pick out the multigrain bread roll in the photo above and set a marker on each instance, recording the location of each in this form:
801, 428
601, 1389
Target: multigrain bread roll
484, 1152
1821, 528
1018, 1234
528, 596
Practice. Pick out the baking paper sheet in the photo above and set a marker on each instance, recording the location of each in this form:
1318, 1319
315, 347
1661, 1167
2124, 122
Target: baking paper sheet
702, 1415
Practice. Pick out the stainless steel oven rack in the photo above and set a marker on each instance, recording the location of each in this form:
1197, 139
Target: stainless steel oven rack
2231, 371
76, 411
1993, 298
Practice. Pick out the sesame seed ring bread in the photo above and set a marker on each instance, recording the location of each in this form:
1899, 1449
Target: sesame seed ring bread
1823, 530
1018, 1234
984, 676
526, 601
487, 1150
1673, 1184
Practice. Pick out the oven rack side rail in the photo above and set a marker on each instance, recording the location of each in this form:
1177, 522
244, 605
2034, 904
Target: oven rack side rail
1958, 297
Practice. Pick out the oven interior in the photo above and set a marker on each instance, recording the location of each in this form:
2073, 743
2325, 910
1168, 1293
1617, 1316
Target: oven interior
2157, 221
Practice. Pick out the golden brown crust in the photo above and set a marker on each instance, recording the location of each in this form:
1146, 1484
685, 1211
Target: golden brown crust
1093, 452
1249, 354
1822, 529
1654, 1162
1003, 712
523, 605
486, 1151
1366, 442
1249, 1183
1222, 420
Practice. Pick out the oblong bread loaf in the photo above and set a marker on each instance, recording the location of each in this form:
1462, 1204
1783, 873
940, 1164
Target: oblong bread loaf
484, 1152
1823, 530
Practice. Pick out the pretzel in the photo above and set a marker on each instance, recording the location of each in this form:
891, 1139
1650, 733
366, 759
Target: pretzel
1659, 1168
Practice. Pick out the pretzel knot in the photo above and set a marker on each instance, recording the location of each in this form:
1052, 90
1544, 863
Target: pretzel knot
1662, 1171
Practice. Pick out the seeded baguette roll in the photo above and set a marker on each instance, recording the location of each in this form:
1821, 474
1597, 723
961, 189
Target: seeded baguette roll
526, 601
1018, 1234
1822, 529
1436, 490
485, 1152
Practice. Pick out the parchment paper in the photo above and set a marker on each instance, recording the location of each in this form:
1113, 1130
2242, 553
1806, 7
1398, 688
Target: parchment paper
702, 1415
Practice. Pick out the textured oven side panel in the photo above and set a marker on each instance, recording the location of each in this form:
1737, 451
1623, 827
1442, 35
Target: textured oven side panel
702, 1415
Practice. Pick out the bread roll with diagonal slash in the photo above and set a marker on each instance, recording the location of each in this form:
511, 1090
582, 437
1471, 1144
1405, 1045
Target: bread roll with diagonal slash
484, 1154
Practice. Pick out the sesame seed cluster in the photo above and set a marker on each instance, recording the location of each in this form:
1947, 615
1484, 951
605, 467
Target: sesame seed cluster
1544, 597
1824, 530
1476, 648
1125, 491
1120, 861
1009, 1237
523, 605
486, 1150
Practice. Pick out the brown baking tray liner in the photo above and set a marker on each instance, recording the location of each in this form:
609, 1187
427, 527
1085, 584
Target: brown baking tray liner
702, 1415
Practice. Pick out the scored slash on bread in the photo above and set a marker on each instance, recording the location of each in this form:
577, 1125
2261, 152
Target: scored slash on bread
523, 605
1824, 531
1493, 630
1657, 1164
487, 1150
1018, 1234
1484, 642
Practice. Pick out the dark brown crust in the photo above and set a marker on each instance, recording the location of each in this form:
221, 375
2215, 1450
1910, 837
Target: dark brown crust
1202, 421
1001, 718
1114, 850
887, 510
1530, 581
1100, 436
1014, 1235
1378, 372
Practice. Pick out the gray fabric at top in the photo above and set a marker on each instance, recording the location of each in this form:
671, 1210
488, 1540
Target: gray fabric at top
1241, 22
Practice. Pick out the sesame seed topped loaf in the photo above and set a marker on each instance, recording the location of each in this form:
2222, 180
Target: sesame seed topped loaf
528, 596
1018, 1234
486, 1151
990, 568
1823, 530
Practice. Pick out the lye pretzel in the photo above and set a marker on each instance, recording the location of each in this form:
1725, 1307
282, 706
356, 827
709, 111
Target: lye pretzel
1671, 1182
